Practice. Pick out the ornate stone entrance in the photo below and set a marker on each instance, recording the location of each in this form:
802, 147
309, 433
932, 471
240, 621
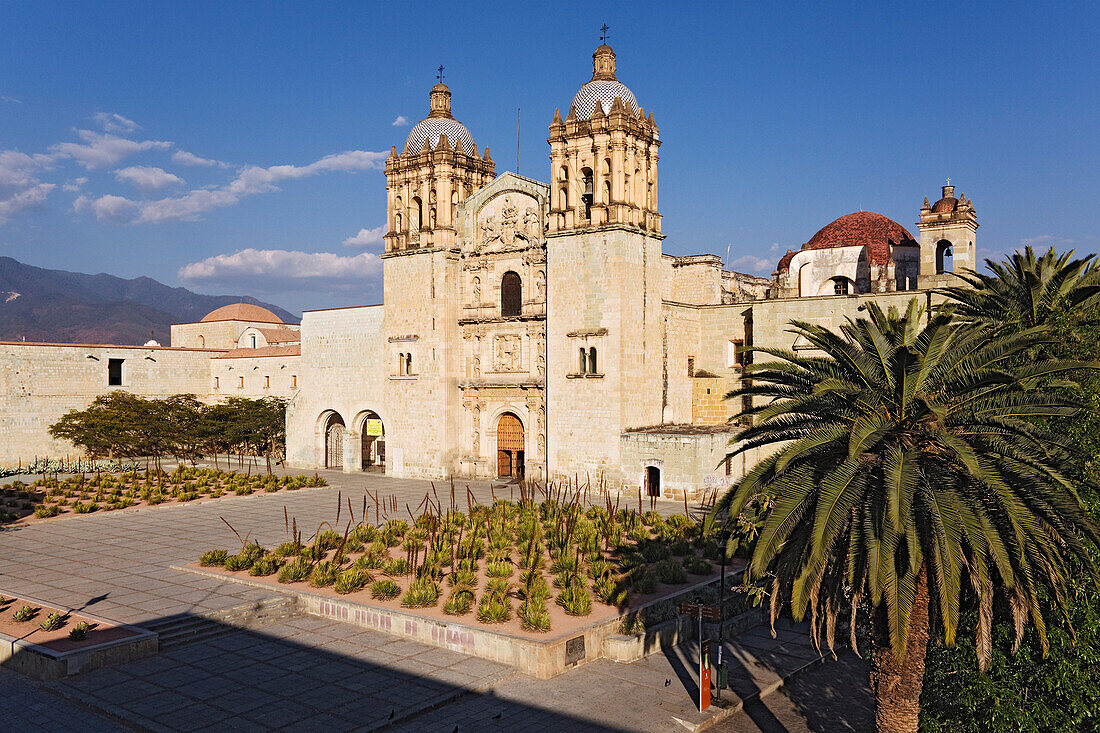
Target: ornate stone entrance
510, 446
334, 442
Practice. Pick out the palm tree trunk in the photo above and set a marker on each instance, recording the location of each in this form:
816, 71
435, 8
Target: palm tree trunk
897, 685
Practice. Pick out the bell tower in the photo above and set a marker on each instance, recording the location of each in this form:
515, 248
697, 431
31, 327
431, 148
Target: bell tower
438, 169
947, 230
603, 157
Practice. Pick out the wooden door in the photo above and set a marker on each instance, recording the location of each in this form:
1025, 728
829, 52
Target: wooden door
509, 444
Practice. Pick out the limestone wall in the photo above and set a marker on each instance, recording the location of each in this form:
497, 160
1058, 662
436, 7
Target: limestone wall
690, 462
41, 382
255, 377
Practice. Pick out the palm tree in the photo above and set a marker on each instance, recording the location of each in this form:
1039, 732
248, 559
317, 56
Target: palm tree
905, 465
1026, 291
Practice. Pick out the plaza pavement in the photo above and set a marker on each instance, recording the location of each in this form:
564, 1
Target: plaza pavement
303, 673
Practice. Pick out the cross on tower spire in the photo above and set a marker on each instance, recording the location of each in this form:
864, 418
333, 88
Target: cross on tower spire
440, 74
949, 181
604, 28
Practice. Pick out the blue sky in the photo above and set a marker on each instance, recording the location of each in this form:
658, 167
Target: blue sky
237, 147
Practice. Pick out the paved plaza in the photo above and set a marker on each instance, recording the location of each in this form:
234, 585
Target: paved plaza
302, 672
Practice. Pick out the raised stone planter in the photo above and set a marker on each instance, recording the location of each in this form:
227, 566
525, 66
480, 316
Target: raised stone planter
43, 663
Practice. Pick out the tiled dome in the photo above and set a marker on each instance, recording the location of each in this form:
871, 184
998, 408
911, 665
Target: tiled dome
863, 229
242, 312
430, 129
603, 91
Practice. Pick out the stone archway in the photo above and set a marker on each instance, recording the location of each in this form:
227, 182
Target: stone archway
510, 446
334, 442
373, 438
652, 481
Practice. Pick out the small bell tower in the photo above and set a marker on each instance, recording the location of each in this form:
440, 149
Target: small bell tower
947, 230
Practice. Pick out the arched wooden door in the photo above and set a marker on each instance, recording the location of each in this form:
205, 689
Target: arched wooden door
334, 443
509, 446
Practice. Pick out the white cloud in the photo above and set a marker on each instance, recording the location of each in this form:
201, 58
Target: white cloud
774, 247
27, 198
17, 170
185, 158
112, 122
103, 150
106, 208
400, 121
250, 181
753, 264
268, 267
74, 184
366, 237
147, 178
13, 100
1046, 239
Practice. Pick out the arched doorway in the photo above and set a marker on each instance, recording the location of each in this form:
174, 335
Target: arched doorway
652, 481
374, 443
509, 446
334, 442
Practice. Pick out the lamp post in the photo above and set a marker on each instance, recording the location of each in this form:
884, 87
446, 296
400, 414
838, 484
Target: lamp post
723, 543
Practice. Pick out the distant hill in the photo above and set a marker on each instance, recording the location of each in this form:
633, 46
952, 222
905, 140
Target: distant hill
72, 307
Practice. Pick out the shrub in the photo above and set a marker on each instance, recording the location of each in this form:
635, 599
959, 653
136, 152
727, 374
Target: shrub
370, 561
53, 621
236, 562
364, 533
632, 624
213, 558
671, 572
384, 590
610, 592
329, 539
460, 602
462, 578
354, 544
421, 594
295, 572
287, 549
566, 563
631, 559
599, 568
533, 616
643, 582
499, 586
351, 580
697, 565
651, 518
495, 608
323, 573
430, 571
313, 552
26, 613
654, 551
79, 632
498, 569
396, 566
266, 565
43, 511
575, 600
535, 589
82, 508
679, 548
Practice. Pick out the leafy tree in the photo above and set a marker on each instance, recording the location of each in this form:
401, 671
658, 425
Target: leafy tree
907, 466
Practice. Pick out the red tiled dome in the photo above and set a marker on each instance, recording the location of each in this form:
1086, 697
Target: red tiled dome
785, 261
863, 229
242, 312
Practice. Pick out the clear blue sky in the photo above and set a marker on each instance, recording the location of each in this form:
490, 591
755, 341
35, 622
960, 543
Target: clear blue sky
147, 138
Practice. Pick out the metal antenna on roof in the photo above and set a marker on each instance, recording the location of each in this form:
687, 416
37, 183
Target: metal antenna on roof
440, 74
517, 140
604, 28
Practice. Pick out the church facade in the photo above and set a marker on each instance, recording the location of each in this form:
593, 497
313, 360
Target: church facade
537, 330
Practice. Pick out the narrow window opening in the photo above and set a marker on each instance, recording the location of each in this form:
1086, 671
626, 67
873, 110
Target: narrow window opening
584, 361
267, 382
253, 341
114, 372
944, 257
240, 383
293, 380
216, 382
691, 366
511, 295
408, 364
840, 286
592, 361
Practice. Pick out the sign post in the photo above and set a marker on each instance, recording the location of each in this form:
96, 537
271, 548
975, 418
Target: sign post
710, 613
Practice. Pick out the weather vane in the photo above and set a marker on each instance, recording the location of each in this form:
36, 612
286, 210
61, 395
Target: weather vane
440, 74
604, 28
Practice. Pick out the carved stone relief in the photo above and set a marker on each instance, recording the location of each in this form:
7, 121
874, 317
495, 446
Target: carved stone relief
508, 221
508, 354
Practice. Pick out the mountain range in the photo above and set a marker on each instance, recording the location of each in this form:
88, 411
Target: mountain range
37, 304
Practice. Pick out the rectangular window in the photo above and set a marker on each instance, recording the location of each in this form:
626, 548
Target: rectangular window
691, 366
240, 384
729, 466
267, 382
114, 372
216, 382
293, 380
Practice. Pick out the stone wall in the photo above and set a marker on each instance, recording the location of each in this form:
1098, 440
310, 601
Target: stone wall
41, 382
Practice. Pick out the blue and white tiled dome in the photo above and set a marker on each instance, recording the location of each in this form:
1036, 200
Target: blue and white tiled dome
603, 91
431, 128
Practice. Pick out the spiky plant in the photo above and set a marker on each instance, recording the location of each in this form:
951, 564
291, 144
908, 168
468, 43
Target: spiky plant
575, 600
459, 602
213, 558
351, 580
384, 590
80, 631
295, 571
422, 593
494, 608
323, 573
904, 463
533, 615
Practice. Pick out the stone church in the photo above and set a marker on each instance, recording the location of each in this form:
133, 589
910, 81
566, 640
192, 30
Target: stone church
528, 329
533, 329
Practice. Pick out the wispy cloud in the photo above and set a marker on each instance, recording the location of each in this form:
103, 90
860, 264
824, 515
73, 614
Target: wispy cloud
250, 181
754, 265
185, 158
366, 237
103, 150
268, 269
1047, 239
74, 184
12, 100
400, 121
28, 198
147, 178
111, 122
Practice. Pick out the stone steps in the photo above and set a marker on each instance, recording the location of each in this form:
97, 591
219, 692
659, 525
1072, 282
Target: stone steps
185, 628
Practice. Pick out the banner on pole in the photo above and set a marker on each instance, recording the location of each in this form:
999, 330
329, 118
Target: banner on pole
704, 675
